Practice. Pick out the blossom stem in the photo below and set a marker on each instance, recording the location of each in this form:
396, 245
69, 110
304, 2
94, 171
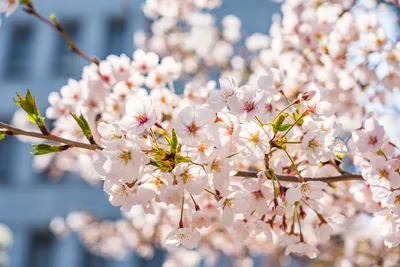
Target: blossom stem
301, 180
283, 110
196, 206
181, 219
212, 193
298, 221
154, 137
292, 142
30, 9
291, 126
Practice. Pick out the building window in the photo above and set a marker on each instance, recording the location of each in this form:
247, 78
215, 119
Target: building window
116, 36
41, 249
19, 57
67, 62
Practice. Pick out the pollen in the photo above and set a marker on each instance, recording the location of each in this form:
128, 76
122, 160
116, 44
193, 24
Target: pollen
125, 157
113, 135
202, 148
119, 190
186, 176
158, 182
255, 137
216, 165
305, 189
384, 174
181, 237
159, 79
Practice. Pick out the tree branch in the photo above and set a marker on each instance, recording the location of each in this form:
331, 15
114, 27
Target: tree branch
15, 131
246, 174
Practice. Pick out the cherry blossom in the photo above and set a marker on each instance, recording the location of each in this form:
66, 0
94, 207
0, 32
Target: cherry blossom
186, 237
195, 125
139, 116
370, 137
312, 190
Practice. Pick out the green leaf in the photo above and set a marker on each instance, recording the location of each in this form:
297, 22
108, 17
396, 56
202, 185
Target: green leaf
2, 135
179, 158
174, 141
28, 104
277, 122
24, 2
283, 127
43, 149
85, 127
165, 166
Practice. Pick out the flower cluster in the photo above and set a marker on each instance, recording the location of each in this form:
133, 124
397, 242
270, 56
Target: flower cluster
248, 164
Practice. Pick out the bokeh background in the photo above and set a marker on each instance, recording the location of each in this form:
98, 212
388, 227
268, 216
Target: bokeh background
34, 56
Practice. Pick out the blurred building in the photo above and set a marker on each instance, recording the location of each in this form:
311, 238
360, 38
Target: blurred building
33, 56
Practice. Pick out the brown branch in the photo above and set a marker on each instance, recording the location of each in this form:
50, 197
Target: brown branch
30, 9
15, 131
293, 179
246, 174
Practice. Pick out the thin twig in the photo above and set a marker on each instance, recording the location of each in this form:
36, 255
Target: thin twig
30, 9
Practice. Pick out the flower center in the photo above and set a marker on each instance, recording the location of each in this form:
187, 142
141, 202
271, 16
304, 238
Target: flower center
258, 194
373, 140
143, 67
193, 128
255, 137
142, 118
129, 84
249, 106
181, 237
159, 79
305, 189
186, 176
119, 190
226, 93
158, 182
313, 144
268, 107
202, 148
216, 165
384, 174
113, 135
125, 157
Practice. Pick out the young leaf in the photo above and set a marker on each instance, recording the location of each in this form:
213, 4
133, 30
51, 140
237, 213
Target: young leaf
174, 141
43, 149
28, 104
284, 127
85, 127
2, 135
277, 122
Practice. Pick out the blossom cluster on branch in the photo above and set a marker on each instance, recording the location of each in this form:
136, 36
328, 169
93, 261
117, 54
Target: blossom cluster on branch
238, 167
